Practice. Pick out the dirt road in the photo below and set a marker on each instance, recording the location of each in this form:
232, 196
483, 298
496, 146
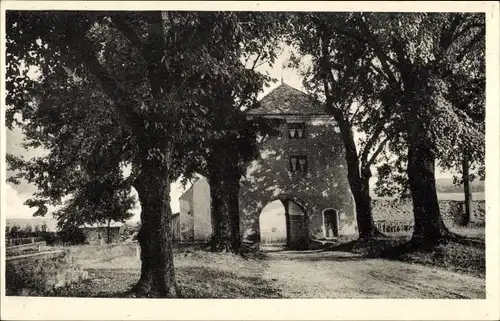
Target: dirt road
343, 275
285, 274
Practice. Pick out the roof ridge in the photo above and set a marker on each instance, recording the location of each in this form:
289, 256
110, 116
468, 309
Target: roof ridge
282, 85
286, 99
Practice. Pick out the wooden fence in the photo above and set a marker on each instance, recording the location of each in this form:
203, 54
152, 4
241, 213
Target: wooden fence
176, 227
21, 249
386, 226
21, 241
46, 255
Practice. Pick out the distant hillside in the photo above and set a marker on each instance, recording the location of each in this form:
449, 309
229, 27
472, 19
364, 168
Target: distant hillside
445, 185
33, 221
50, 222
446, 190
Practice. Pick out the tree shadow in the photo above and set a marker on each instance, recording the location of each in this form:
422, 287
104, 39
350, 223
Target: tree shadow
193, 282
397, 247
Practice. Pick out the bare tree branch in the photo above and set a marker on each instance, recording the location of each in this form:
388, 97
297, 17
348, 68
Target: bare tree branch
377, 151
257, 59
358, 108
384, 58
379, 127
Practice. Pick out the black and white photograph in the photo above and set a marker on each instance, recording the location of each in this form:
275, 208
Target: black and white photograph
243, 152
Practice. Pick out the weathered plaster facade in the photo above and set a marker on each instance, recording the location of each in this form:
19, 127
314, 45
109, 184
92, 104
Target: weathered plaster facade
186, 220
201, 210
194, 212
322, 186
305, 194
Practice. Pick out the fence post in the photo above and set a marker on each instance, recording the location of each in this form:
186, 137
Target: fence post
138, 251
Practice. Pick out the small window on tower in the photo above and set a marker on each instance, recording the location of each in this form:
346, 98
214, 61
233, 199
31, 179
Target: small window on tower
296, 130
298, 164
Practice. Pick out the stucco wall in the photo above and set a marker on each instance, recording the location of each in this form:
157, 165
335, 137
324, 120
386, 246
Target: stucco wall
186, 216
323, 186
201, 210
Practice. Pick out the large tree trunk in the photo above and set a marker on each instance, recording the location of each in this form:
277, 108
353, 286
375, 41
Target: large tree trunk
233, 195
359, 183
363, 200
429, 227
108, 232
467, 192
358, 176
224, 192
155, 237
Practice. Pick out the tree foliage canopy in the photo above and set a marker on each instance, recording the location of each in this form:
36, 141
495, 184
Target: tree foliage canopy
109, 91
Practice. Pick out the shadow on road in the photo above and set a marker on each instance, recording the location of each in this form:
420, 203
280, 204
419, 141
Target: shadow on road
313, 256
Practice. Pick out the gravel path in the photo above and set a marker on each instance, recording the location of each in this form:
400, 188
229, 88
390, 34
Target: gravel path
343, 275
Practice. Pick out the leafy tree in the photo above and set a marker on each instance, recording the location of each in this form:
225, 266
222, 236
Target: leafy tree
462, 147
465, 153
27, 230
69, 236
119, 89
345, 74
417, 51
392, 179
411, 57
96, 203
224, 164
127, 231
224, 156
14, 231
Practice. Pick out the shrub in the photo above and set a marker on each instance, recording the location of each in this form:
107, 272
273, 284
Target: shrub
72, 236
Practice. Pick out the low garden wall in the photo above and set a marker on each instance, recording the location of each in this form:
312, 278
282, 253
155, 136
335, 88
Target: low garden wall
40, 273
25, 249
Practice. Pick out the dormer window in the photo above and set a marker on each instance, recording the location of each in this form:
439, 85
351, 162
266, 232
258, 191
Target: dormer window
298, 164
296, 130
264, 137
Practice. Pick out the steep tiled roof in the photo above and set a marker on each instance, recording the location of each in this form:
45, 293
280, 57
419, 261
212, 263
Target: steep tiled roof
287, 100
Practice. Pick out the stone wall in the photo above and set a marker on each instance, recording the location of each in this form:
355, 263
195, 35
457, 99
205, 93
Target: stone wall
402, 210
324, 185
99, 235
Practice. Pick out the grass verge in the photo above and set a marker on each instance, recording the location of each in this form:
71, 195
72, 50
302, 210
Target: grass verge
113, 270
37, 276
467, 256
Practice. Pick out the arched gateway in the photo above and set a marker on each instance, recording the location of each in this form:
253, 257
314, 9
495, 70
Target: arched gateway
303, 166
283, 223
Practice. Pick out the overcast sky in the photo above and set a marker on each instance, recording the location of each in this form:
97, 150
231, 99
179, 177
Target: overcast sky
16, 195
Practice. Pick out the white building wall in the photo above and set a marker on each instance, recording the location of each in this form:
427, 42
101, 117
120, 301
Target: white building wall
186, 220
201, 210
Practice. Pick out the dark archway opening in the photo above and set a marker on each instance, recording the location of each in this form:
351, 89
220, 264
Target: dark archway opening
330, 223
